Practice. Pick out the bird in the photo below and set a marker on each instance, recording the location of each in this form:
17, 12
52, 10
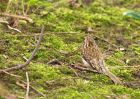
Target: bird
93, 58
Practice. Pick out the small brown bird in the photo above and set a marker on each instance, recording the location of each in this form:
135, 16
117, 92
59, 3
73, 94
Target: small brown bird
93, 58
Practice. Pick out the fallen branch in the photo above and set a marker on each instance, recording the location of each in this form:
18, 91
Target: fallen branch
25, 84
37, 34
17, 76
17, 16
34, 89
11, 28
138, 66
19, 66
82, 68
4, 22
28, 86
74, 71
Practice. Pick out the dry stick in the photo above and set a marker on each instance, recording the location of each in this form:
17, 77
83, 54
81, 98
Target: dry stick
22, 4
124, 66
82, 68
34, 89
86, 69
17, 76
17, 16
8, 5
28, 86
4, 22
11, 28
30, 58
27, 8
74, 71
36, 34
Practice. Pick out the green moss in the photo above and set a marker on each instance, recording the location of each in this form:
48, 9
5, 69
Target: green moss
55, 42
126, 75
44, 72
107, 21
2, 6
136, 49
112, 61
123, 90
119, 54
2, 61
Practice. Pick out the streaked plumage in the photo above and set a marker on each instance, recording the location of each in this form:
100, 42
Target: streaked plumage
93, 58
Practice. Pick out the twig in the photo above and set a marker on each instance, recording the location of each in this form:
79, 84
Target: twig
40, 93
74, 71
124, 66
30, 58
4, 22
25, 58
28, 86
23, 9
83, 68
36, 34
12, 74
8, 5
23, 85
11, 28
17, 16
110, 67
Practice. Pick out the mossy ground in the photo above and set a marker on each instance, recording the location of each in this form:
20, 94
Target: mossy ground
107, 20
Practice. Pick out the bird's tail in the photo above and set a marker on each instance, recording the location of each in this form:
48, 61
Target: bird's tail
114, 78
106, 72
